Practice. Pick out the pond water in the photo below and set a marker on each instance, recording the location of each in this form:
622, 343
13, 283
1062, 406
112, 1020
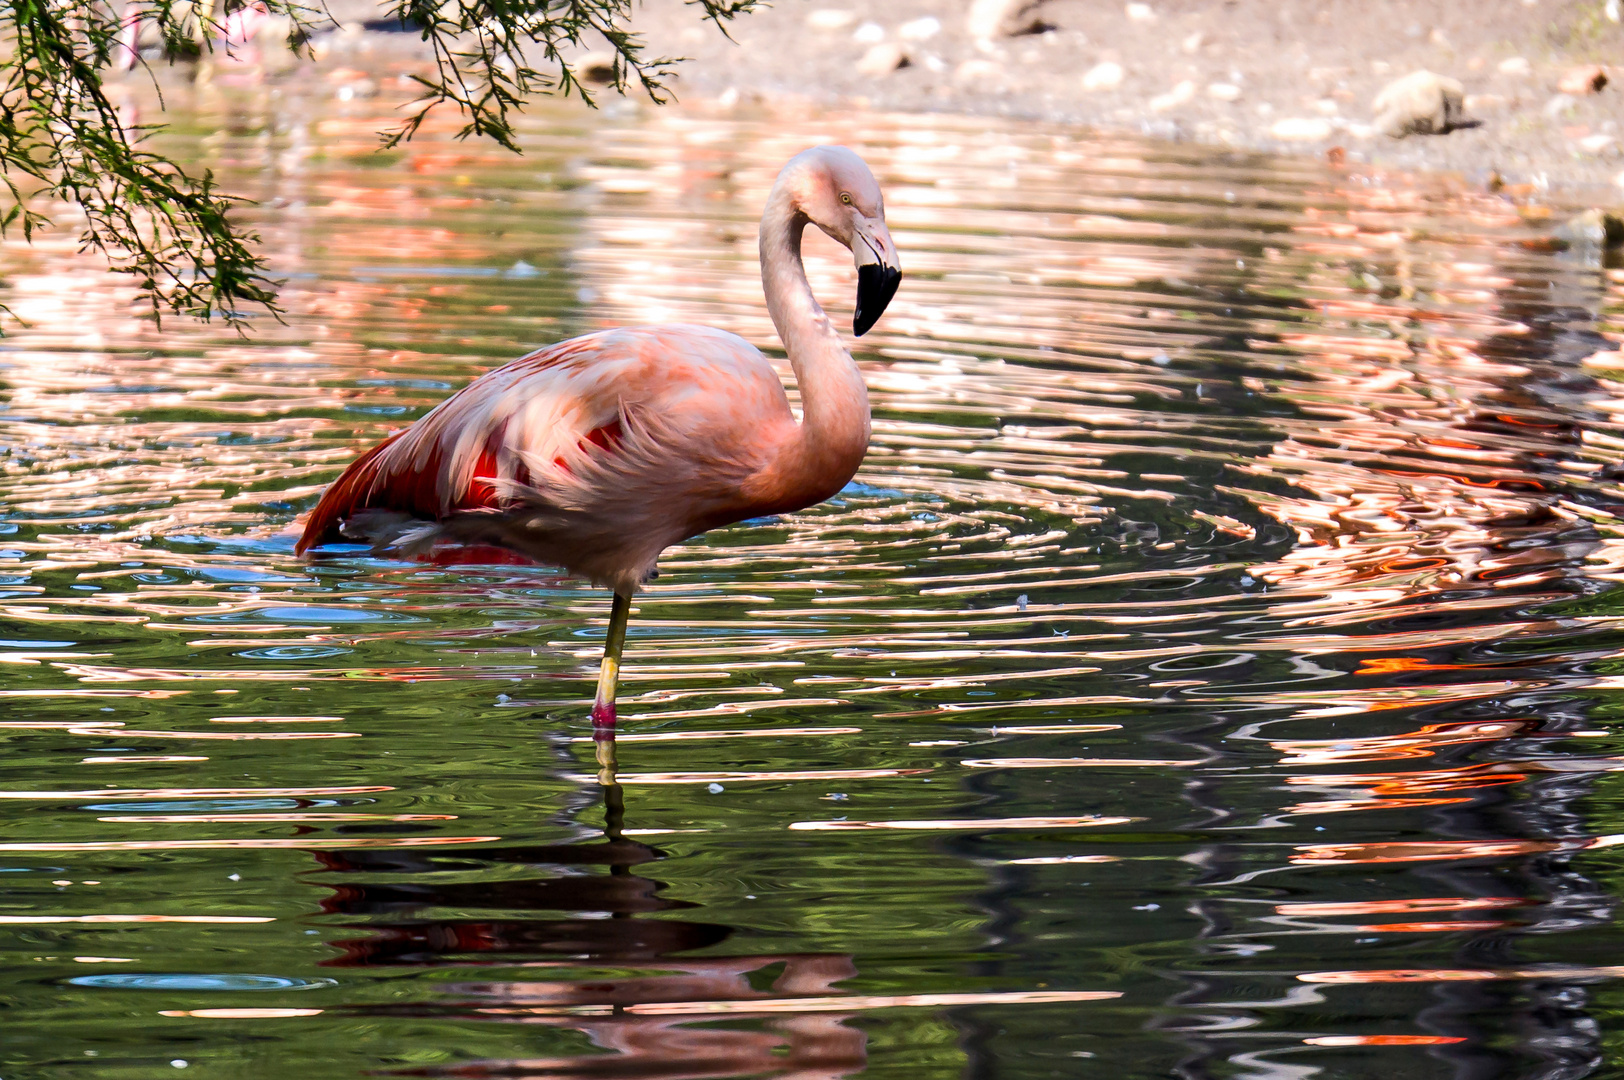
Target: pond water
1214, 671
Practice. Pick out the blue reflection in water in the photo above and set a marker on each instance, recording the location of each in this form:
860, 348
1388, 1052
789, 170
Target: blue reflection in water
310, 614
134, 981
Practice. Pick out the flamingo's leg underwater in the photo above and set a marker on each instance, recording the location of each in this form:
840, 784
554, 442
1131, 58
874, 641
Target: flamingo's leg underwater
603, 706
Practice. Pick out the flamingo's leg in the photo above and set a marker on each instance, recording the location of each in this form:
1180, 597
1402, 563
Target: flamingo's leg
603, 707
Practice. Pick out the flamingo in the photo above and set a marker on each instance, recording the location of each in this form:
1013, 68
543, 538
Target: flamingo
598, 453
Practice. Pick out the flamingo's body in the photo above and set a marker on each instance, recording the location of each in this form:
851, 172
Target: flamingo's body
598, 453
594, 454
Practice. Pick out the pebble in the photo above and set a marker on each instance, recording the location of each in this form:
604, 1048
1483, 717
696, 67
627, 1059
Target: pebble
1588, 79
1106, 75
830, 19
1175, 97
596, 68
1592, 228
359, 88
1301, 129
868, 34
920, 29
1517, 65
1420, 103
883, 59
981, 71
1142, 13
1223, 91
990, 19
1194, 42
1595, 144
1559, 103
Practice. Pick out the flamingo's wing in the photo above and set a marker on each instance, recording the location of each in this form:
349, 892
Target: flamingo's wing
548, 421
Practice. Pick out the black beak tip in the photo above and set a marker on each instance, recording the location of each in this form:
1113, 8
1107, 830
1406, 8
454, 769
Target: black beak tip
876, 285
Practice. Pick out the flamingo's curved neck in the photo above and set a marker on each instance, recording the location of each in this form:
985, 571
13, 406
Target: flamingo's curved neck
834, 429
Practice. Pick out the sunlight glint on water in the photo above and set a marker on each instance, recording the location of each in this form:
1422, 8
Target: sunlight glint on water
1212, 669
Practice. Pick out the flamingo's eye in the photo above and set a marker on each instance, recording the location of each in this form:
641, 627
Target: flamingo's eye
845, 198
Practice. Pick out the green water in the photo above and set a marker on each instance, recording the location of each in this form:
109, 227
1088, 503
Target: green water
1212, 671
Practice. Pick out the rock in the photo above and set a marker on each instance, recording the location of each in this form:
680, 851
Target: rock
922, 29
992, 19
883, 59
1223, 91
1588, 79
1301, 129
978, 71
1141, 13
1559, 104
1593, 228
1517, 65
1595, 144
830, 19
1105, 75
1175, 97
1192, 44
1420, 103
596, 68
870, 33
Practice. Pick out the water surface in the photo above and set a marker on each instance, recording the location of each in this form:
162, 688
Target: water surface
1212, 671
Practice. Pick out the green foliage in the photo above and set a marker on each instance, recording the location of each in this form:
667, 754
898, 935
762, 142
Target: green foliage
485, 53
62, 138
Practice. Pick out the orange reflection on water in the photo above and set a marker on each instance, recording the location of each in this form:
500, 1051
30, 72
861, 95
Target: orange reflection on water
1378, 907
1439, 927
1343, 806
1424, 851
1404, 975
1469, 778
1393, 665
1423, 742
1383, 1040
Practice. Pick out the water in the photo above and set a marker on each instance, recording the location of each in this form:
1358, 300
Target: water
1214, 670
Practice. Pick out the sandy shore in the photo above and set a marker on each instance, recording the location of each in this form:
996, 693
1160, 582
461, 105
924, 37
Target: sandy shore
1292, 75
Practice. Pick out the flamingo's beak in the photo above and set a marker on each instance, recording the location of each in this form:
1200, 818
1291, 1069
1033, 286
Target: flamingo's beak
879, 272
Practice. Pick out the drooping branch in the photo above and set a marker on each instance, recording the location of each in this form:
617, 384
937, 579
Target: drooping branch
62, 137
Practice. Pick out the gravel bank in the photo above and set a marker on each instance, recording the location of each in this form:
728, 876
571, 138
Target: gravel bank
1292, 75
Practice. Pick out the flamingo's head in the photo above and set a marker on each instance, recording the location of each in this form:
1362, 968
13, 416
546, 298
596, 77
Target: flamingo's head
834, 189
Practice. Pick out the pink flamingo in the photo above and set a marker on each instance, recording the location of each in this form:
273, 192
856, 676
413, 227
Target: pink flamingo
598, 453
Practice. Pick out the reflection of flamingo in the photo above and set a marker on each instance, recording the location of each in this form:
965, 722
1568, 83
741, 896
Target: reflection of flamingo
598, 453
